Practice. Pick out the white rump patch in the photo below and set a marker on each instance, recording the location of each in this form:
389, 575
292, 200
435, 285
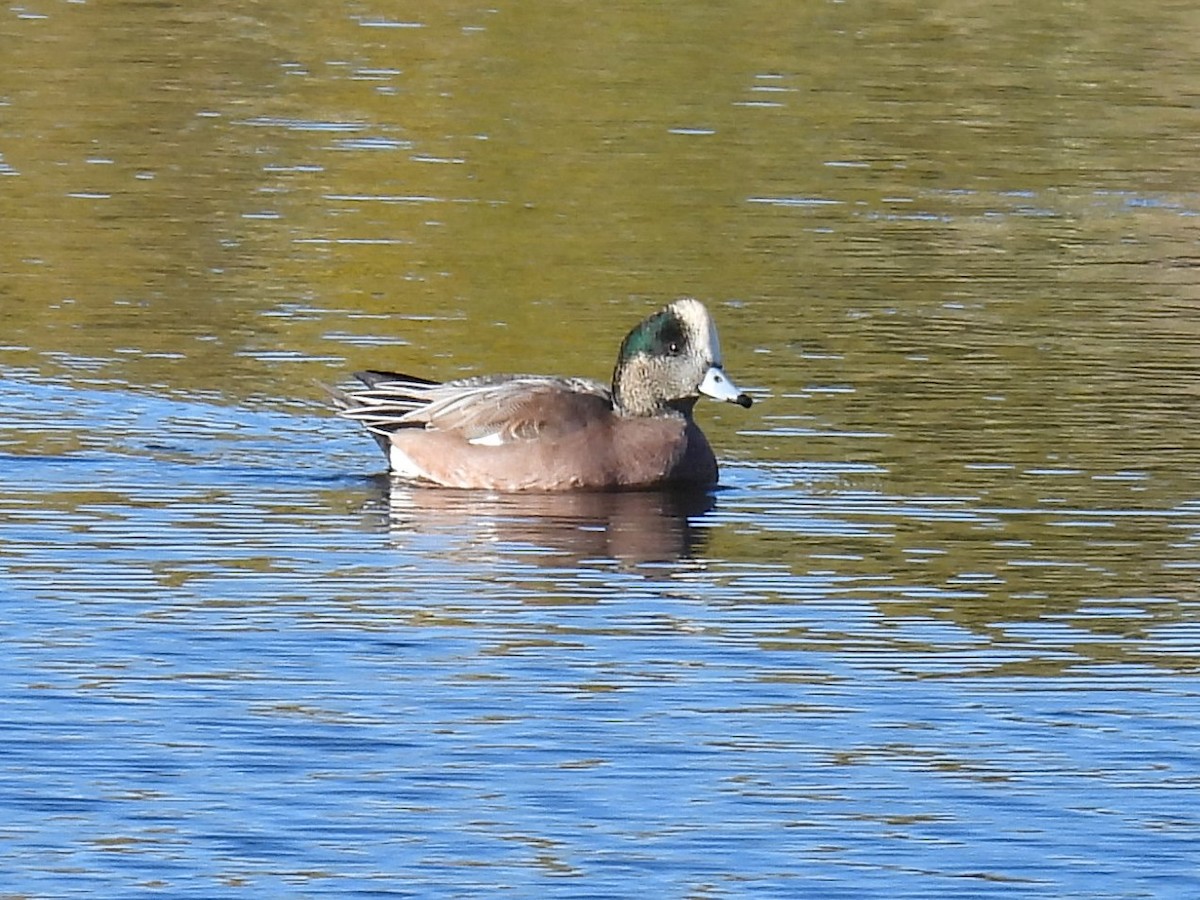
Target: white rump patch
402, 466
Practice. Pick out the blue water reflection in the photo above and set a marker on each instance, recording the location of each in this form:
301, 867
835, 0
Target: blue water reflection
229, 668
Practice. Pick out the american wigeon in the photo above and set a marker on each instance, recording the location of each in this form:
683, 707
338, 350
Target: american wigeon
546, 433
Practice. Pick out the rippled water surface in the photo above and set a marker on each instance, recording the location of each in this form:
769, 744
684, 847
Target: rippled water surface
936, 634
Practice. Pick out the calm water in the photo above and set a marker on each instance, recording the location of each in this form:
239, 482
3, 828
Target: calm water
936, 635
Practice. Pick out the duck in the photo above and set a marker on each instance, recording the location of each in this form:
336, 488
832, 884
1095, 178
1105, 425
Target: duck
510, 433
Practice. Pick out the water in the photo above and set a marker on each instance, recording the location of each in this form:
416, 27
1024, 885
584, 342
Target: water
936, 634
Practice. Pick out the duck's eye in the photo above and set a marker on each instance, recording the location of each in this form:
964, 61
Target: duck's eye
673, 348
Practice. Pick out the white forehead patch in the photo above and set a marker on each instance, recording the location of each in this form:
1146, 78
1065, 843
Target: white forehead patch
700, 324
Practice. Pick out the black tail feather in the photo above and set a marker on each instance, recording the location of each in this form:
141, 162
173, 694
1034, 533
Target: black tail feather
372, 377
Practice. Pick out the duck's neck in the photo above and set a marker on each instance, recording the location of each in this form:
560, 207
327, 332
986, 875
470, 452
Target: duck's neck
630, 397
633, 396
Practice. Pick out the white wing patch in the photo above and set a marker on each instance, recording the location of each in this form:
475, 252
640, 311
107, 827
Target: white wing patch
492, 439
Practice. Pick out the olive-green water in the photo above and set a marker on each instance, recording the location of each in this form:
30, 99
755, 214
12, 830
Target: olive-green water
937, 634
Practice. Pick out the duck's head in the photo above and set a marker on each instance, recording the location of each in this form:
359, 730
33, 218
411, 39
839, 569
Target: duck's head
669, 359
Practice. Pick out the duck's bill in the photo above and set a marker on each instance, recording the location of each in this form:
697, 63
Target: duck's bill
716, 384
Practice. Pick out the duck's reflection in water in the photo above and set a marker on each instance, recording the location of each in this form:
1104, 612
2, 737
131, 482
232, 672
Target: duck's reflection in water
630, 527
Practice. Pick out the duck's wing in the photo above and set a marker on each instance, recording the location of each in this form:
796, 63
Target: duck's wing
490, 410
